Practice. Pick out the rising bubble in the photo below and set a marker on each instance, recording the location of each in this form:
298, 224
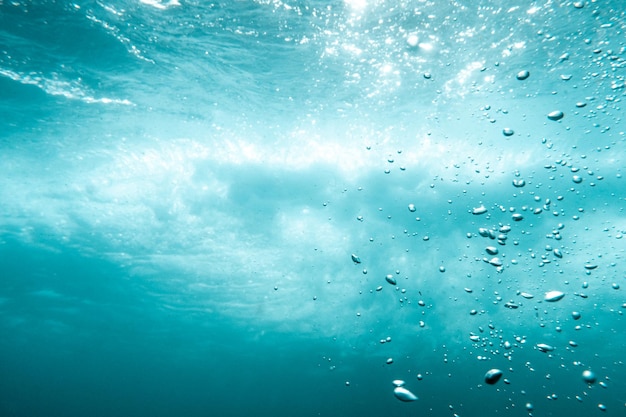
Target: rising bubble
412, 40
589, 377
553, 296
545, 347
390, 279
404, 394
519, 182
492, 376
556, 115
479, 210
491, 250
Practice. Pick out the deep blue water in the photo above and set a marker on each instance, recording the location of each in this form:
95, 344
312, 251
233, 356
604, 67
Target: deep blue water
183, 185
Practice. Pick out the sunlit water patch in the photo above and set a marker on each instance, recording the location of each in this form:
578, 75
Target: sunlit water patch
312, 208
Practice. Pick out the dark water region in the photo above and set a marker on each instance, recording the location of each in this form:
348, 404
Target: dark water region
268, 207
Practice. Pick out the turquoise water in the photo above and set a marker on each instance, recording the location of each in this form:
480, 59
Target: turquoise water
266, 207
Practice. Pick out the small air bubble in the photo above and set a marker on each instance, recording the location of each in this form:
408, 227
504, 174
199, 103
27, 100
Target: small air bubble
556, 115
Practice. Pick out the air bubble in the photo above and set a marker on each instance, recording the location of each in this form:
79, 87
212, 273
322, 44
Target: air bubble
555, 115
492, 376
479, 210
404, 394
545, 347
519, 182
552, 296
589, 377
412, 40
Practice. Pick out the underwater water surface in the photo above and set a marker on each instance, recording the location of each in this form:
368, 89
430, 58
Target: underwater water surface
312, 208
